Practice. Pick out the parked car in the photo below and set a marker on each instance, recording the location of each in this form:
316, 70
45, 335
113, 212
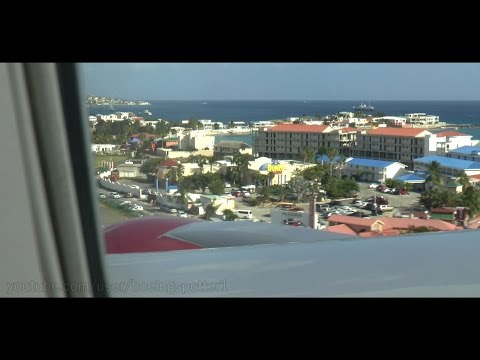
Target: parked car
374, 185
181, 213
137, 208
128, 195
102, 196
293, 222
385, 207
115, 195
172, 211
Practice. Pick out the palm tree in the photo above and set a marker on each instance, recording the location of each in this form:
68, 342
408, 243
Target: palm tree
340, 164
210, 211
180, 171
434, 176
241, 161
471, 200
322, 151
331, 153
464, 180
308, 155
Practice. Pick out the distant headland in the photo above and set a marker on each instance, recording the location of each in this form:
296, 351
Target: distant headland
103, 100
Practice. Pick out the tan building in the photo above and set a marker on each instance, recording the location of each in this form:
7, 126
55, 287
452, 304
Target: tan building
397, 144
226, 147
288, 141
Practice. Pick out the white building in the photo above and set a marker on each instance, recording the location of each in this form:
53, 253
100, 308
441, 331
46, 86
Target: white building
261, 125
446, 141
373, 170
99, 148
195, 139
394, 120
422, 119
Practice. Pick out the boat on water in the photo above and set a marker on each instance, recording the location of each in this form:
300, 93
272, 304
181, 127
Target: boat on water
364, 107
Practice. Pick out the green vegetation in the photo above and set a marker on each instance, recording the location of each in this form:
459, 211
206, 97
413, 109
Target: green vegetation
229, 215
210, 212
117, 159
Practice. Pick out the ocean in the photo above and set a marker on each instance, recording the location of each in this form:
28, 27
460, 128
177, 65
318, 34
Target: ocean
451, 112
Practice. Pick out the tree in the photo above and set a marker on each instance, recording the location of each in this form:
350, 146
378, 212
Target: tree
434, 175
464, 180
332, 154
216, 126
216, 186
184, 187
322, 151
210, 211
308, 155
471, 200
150, 167
229, 215
241, 162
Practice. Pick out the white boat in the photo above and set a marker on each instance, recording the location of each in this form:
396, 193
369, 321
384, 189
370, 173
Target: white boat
364, 107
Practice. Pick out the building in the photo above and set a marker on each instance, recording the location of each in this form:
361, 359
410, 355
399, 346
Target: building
398, 121
450, 167
422, 119
283, 170
372, 170
261, 125
395, 144
288, 141
165, 166
130, 171
471, 153
100, 148
195, 140
447, 141
227, 147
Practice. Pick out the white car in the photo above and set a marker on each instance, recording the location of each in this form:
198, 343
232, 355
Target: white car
181, 213
103, 196
373, 186
172, 211
137, 208
125, 203
115, 195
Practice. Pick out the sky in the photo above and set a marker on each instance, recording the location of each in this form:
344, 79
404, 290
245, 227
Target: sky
283, 81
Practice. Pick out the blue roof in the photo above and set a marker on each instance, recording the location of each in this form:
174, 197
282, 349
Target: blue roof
450, 162
264, 167
371, 162
325, 159
466, 150
411, 178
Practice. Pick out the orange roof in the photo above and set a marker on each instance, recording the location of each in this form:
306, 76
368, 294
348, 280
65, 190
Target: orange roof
299, 128
451, 133
168, 163
369, 234
342, 229
351, 220
348, 130
388, 131
404, 223
475, 177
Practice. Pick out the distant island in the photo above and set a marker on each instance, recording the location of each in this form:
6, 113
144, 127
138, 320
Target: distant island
102, 100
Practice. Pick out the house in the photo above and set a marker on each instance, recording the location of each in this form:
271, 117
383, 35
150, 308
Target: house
372, 170
227, 147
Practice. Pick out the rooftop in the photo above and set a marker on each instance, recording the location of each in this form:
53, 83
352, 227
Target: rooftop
406, 132
449, 162
466, 150
372, 162
300, 128
450, 133
411, 178
233, 144
348, 130
168, 163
